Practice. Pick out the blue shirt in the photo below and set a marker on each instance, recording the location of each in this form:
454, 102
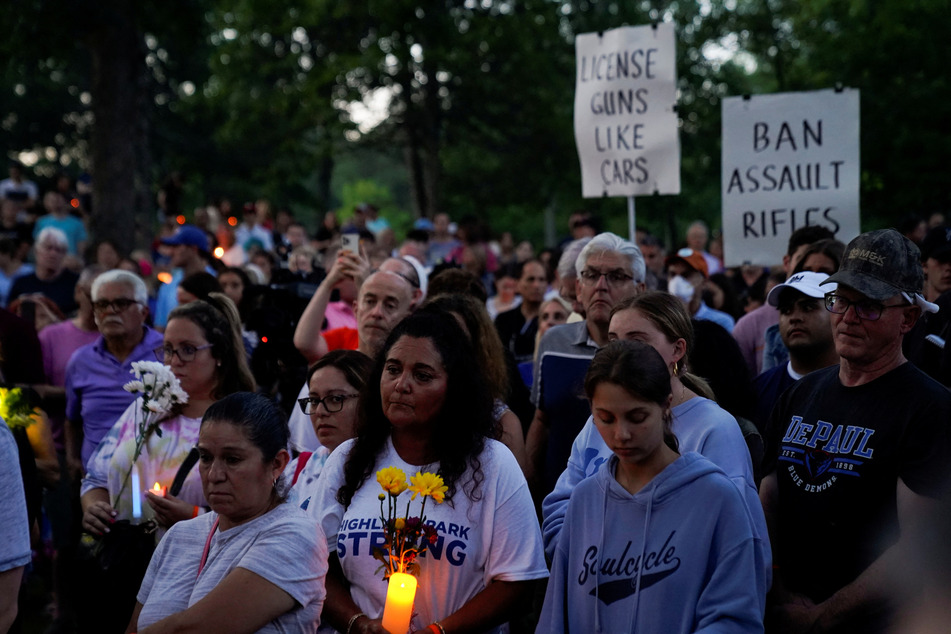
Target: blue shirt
716, 316
94, 380
168, 297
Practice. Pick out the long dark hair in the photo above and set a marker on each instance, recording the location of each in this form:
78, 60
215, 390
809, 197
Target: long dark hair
482, 335
218, 319
463, 424
637, 368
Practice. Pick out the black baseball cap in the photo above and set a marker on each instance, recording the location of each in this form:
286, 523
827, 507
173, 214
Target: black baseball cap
881, 264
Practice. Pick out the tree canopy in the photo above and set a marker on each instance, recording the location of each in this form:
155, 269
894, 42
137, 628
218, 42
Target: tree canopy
252, 99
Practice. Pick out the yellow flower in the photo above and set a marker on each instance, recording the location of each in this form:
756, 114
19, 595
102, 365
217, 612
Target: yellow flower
392, 480
399, 523
428, 484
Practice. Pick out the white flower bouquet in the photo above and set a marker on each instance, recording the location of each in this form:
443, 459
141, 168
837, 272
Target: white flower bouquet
161, 392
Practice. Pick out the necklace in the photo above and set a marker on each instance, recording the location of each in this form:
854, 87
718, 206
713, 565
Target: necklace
683, 394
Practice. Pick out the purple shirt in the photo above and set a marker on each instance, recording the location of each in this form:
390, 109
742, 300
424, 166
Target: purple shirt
59, 342
94, 380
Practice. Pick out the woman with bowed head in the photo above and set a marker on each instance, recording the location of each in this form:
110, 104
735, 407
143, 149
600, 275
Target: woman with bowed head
661, 320
428, 410
254, 564
687, 560
202, 346
335, 383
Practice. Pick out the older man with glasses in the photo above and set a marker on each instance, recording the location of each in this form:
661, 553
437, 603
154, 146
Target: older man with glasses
96, 372
857, 451
50, 278
609, 269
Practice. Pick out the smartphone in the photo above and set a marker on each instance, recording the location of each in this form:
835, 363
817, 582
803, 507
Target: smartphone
350, 242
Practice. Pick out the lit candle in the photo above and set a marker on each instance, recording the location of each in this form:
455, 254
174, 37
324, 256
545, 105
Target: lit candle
136, 493
398, 610
159, 490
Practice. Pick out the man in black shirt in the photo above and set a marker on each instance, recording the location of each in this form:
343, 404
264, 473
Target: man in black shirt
517, 327
856, 451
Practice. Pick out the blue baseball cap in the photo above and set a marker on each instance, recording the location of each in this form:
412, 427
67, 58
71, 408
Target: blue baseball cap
188, 235
424, 224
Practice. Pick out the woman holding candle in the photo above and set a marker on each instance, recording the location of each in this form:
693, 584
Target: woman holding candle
655, 541
203, 348
432, 412
254, 564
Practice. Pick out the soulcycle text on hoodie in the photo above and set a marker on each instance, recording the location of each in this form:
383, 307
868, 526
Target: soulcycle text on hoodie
660, 563
361, 536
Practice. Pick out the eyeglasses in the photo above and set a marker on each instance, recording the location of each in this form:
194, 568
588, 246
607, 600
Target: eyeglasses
186, 352
866, 309
116, 305
590, 277
332, 403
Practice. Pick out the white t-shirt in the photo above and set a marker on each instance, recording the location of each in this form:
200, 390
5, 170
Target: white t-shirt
494, 538
283, 546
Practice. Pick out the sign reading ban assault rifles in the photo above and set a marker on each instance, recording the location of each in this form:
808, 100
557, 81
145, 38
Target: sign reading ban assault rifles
789, 160
625, 115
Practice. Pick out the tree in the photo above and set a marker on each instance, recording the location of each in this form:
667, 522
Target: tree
90, 65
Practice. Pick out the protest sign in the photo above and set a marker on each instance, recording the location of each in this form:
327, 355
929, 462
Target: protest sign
789, 160
625, 111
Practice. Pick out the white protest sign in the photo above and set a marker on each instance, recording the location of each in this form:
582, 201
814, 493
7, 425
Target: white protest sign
625, 116
789, 160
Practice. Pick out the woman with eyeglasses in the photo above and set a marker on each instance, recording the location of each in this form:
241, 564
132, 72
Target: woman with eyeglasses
202, 346
334, 383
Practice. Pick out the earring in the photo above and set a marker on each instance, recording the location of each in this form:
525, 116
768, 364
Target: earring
676, 369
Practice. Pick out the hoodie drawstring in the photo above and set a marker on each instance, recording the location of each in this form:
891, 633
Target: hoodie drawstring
640, 565
597, 572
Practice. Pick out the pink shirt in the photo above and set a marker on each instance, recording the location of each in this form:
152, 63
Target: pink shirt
58, 343
750, 332
340, 315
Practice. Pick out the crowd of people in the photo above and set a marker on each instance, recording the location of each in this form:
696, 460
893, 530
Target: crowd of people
627, 438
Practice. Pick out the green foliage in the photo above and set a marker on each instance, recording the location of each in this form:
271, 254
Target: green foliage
248, 98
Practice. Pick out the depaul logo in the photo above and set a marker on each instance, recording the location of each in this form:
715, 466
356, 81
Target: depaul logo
816, 455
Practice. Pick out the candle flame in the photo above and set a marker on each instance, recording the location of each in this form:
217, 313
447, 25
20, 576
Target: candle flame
157, 488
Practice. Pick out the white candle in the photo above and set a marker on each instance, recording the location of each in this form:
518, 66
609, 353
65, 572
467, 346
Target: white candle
136, 493
400, 595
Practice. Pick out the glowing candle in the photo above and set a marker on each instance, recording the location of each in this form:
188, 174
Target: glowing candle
159, 490
398, 610
136, 493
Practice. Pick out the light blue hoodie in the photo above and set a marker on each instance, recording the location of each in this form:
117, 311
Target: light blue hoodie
700, 425
678, 556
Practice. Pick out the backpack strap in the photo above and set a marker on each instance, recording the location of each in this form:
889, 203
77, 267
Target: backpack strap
301, 463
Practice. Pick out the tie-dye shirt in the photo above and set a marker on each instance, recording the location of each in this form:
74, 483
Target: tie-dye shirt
110, 464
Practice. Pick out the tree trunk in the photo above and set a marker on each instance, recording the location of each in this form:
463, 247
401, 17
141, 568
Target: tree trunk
119, 139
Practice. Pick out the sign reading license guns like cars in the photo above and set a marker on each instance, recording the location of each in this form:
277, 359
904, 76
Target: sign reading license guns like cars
625, 112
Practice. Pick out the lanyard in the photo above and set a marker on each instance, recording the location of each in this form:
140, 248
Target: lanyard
204, 554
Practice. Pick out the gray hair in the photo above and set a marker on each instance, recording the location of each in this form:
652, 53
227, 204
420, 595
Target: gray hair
566, 264
610, 243
119, 276
53, 234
